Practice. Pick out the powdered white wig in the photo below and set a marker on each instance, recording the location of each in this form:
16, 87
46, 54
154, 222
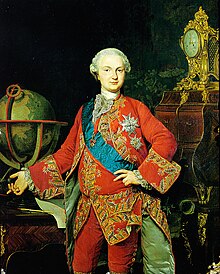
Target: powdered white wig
94, 67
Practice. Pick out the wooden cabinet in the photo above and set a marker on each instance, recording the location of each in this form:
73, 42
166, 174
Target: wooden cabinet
195, 124
193, 117
27, 233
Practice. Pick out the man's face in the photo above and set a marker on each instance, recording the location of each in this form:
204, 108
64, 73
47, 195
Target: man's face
111, 73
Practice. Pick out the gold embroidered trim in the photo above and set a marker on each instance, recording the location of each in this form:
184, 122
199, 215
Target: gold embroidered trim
89, 172
116, 214
55, 179
168, 170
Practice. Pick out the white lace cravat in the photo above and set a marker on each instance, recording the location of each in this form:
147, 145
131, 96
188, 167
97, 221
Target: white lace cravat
102, 105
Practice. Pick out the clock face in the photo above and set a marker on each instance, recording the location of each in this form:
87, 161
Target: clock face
191, 43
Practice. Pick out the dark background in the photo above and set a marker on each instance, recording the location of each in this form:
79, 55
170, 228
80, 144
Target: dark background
47, 45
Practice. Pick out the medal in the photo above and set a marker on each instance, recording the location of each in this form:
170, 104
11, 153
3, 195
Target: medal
92, 141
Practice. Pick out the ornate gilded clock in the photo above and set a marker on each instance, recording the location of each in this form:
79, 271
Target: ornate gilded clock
200, 44
191, 43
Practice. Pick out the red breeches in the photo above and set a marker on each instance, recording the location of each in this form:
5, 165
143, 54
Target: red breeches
88, 245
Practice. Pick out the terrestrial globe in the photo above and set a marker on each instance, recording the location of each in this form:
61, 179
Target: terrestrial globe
28, 127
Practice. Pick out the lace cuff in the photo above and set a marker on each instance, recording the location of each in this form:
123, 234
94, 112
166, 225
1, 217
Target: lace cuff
141, 180
28, 179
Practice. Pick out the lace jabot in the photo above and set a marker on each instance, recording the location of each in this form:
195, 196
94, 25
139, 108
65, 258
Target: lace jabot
102, 105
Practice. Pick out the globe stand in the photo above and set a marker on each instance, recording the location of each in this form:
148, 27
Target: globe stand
38, 131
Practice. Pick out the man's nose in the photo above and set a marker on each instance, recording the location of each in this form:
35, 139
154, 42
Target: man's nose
114, 75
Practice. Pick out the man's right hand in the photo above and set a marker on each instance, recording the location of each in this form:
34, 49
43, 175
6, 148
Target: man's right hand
19, 186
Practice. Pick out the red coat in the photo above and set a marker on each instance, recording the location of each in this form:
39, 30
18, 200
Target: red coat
126, 127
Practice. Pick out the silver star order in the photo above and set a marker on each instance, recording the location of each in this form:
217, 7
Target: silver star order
129, 124
136, 142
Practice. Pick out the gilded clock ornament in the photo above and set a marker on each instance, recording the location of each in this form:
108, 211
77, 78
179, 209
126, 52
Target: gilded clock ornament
200, 44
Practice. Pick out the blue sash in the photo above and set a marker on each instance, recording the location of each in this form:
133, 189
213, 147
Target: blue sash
101, 151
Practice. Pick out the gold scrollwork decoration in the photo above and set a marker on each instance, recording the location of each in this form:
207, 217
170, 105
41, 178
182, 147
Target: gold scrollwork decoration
184, 97
186, 84
214, 268
2, 234
205, 96
202, 219
186, 241
203, 193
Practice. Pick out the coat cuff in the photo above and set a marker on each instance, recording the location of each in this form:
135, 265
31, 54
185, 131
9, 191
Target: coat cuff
47, 179
159, 172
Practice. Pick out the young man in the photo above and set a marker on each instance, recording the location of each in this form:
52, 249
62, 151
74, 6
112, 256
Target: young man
117, 174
